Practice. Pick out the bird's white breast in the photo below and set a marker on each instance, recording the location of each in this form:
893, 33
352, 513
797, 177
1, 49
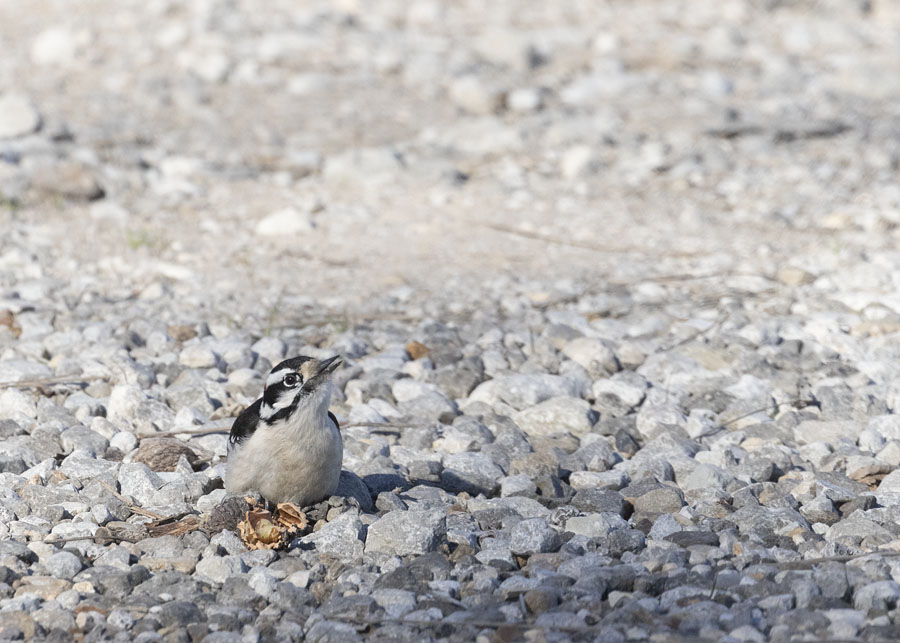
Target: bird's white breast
297, 460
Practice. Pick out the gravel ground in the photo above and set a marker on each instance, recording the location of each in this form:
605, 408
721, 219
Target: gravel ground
615, 284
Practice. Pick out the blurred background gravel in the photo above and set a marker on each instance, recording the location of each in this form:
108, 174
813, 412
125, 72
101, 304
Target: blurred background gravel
341, 150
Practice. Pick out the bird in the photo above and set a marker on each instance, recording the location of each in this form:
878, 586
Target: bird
287, 444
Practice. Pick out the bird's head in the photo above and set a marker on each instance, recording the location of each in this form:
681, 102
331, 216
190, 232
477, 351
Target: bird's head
295, 384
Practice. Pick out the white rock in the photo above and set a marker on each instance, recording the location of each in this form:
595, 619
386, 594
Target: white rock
371, 166
218, 569
299, 578
523, 391
453, 440
308, 83
272, 348
654, 419
342, 537
124, 441
262, 581
887, 426
123, 402
890, 483
597, 525
469, 93
63, 564
404, 533
630, 394
598, 479
365, 413
749, 387
139, 482
395, 602
18, 117
518, 485
504, 47
211, 66
211, 500
82, 529
591, 89
524, 99
576, 161
285, 222
556, 415
407, 389
593, 354
102, 426
871, 441
701, 422
15, 403
54, 46
17, 370
890, 453
481, 136
831, 432
198, 356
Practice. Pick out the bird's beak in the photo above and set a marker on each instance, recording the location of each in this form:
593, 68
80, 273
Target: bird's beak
327, 366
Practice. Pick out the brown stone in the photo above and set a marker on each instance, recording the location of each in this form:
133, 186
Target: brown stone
67, 179
417, 350
162, 454
46, 587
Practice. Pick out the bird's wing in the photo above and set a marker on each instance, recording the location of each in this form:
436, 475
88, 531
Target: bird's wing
334, 419
245, 424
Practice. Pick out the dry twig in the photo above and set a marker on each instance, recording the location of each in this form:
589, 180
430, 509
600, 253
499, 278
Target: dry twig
574, 243
206, 430
44, 382
798, 403
131, 506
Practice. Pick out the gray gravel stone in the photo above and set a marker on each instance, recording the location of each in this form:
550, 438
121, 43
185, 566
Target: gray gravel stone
81, 437
596, 525
139, 482
219, 568
557, 415
343, 537
473, 473
404, 533
652, 497
523, 391
881, 595
518, 485
395, 602
19, 117
351, 485
595, 355
533, 536
64, 565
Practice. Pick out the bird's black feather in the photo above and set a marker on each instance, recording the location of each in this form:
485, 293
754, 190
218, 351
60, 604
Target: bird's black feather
245, 424
334, 419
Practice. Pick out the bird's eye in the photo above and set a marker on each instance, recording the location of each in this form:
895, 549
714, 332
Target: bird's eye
291, 379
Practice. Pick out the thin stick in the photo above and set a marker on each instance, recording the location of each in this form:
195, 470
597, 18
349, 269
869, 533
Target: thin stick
132, 507
50, 381
722, 318
800, 564
95, 537
573, 243
346, 618
798, 403
387, 425
171, 434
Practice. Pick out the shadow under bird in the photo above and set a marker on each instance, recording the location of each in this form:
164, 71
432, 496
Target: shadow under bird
287, 444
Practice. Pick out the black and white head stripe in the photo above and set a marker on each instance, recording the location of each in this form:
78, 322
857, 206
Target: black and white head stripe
289, 382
